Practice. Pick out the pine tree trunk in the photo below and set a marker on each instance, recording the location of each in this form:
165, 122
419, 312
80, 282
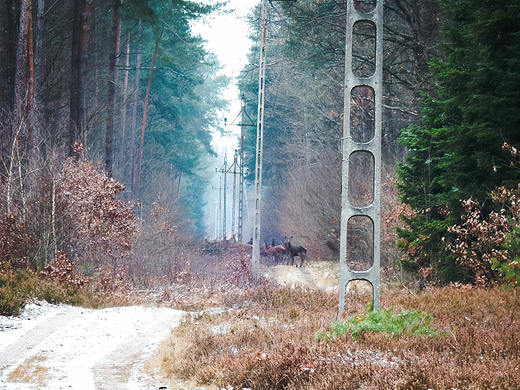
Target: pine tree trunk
83, 65
20, 106
112, 81
74, 119
79, 70
30, 60
22, 72
145, 112
36, 118
124, 97
8, 43
5, 55
133, 124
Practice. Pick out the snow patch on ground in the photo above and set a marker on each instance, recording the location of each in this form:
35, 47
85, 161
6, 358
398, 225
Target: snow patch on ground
61, 347
12, 328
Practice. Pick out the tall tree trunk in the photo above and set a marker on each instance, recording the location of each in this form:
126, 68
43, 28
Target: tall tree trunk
30, 59
36, 119
133, 124
9, 23
4, 68
8, 43
75, 130
124, 97
20, 106
21, 82
79, 67
112, 81
145, 112
83, 64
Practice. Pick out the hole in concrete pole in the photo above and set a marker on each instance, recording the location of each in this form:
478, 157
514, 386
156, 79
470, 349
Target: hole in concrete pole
360, 243
359, 295
362, 114
364, 49
361, 167
364, 6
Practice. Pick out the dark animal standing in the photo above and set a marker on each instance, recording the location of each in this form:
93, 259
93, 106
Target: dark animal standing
294, 251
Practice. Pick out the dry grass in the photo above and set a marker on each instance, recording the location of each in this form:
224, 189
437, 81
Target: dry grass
262, 336
265, 339
31, 371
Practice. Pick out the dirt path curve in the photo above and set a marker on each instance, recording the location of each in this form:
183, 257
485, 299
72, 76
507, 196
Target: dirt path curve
75, 348
322, 275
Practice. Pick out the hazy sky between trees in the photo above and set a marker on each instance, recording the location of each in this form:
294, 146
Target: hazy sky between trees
227, 36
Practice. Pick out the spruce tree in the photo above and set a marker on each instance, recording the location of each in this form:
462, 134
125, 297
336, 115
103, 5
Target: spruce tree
457, 153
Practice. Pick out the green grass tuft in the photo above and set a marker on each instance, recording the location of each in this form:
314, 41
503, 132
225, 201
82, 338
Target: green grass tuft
406, 323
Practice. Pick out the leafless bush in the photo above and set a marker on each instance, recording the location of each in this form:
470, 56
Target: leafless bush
311, 205
64, 271
15, 243
163, 248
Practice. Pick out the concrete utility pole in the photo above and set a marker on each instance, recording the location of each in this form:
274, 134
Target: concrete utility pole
223, 170
362, 154
241, 172
255, 259
219, 215
234, 166
240, 163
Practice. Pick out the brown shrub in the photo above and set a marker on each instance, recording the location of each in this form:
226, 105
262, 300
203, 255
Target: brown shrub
481, 241
64, 271
15, 243
93, 226
262, 344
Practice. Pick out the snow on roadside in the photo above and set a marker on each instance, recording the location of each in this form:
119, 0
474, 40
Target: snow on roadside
34, 313
95, 347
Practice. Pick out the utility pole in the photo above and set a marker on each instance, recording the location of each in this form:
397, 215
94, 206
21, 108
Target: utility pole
240, 163
241, 171
255, 259
223, 170
219, 206
361, 149
234, 166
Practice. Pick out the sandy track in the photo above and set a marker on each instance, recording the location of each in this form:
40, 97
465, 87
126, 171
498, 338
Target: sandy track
75, 348
322, 275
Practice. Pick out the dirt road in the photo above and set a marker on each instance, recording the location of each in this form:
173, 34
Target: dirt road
323, 275
62, 347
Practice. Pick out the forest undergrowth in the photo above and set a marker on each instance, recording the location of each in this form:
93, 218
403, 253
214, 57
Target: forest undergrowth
267, 337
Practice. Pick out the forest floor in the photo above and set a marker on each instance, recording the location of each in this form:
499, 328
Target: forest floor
64, 347
210, 325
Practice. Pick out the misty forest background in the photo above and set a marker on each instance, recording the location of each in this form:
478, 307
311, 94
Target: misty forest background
107, 110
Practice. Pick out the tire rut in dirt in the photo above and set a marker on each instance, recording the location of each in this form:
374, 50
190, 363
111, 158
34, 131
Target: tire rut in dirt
20, 349
114, 371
